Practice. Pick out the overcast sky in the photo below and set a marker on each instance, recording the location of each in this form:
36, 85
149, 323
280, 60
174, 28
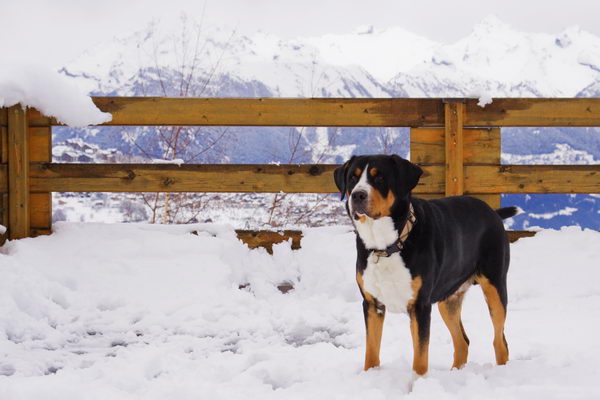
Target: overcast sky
58, 30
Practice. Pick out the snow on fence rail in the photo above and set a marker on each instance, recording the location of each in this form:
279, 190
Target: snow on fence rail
456, 142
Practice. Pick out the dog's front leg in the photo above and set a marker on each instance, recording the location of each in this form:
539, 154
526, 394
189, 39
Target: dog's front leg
420, 319
374, 317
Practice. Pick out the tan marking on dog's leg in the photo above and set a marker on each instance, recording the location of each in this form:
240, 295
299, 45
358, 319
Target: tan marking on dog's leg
366, 295
498, 314
374, 326
415, 285
420, 346
450, 310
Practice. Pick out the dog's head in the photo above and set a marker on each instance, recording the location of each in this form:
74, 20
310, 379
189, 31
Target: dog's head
375, 184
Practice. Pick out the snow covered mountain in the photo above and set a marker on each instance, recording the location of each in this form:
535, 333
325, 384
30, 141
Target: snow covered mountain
504, 62
494, 59
185, 59
593, 90
217, 62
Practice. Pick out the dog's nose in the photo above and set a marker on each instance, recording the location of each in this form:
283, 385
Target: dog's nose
359, 196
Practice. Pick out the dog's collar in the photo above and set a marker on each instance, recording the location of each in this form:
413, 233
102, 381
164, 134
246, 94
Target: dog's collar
398, 245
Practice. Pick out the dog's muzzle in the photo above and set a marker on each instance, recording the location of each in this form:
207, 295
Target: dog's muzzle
359, 200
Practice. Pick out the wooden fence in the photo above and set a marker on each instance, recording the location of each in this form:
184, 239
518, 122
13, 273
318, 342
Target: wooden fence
455, 141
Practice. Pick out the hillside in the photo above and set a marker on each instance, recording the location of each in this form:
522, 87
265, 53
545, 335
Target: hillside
185, 59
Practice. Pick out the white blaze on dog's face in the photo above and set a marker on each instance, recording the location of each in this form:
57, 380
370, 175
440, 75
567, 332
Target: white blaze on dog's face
361, 187
370, 211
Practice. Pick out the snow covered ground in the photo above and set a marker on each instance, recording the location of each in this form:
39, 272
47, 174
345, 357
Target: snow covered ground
124, 311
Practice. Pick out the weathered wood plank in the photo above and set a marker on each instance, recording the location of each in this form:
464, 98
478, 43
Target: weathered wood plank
532, 179
493, 200
480, 146
513, 236
3, 144
35, 232
3, 178
454, 114
40, 204
267, 239
266, 112
340, 112
46, 177
534, 112
3, 158
3, 215
3, 116
40, 144
479, 179
18, 172
40, 210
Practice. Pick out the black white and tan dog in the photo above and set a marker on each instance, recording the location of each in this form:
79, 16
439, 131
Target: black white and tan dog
412, 253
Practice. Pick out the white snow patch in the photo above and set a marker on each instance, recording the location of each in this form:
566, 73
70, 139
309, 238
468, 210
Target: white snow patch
140, 311
51, 93
484, 100
563, 154
176, 161
365, 30
484, 96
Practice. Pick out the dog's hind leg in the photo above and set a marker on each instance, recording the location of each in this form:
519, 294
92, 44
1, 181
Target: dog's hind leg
450, 311
496, 298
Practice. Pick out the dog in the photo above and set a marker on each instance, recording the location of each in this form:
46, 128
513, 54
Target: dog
412, 253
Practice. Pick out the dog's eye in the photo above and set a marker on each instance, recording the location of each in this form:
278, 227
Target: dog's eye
378, 178
353, 178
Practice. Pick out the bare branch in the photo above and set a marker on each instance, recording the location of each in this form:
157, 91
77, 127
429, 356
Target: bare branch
207, 148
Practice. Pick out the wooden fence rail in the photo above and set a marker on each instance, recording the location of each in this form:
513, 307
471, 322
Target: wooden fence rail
455, 141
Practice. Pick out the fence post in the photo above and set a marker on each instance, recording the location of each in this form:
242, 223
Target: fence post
3, 171
453, 125
18, 173
40, 150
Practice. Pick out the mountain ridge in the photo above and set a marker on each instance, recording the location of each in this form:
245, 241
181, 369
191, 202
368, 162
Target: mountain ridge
494, 59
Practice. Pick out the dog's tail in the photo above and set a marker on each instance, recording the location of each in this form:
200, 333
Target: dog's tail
508, 212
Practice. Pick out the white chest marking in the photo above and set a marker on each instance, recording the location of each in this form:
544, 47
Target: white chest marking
377, 233
385, 278
389, 281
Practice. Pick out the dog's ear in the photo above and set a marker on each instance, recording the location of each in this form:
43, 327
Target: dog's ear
339, 175
410, 172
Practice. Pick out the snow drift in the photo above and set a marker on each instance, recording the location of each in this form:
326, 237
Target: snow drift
99, 311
